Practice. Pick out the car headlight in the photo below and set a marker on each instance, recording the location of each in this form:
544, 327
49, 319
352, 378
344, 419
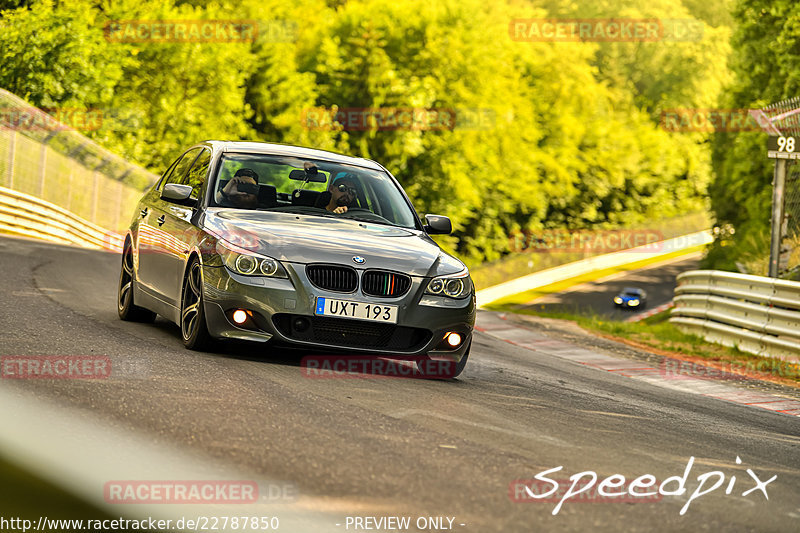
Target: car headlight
456, 286
617, 300
249, 263
633, 303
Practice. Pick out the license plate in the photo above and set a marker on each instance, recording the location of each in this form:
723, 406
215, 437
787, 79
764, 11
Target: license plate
356, 310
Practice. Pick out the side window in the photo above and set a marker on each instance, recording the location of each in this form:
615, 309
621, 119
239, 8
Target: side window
197, 174
167, 174
179, 169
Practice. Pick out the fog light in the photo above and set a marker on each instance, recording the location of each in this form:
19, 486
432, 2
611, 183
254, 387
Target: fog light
301, 324
239, 316
453, 339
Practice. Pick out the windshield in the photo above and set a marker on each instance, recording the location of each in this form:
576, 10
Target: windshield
312, 187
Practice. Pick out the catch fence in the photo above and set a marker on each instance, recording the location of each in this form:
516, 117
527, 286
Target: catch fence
45, 158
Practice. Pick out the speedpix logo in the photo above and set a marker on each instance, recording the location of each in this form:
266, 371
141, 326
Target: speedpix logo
644, 488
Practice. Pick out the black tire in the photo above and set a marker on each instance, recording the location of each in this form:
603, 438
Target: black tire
459, 367
194, 330
126, 309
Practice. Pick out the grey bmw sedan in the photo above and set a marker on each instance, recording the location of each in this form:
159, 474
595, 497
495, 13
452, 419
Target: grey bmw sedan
285, 245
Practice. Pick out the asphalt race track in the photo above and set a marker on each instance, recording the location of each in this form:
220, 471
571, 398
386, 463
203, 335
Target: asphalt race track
595, 298
403, 447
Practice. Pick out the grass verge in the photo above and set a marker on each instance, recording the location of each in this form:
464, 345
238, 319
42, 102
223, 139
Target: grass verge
517, 264
657, 335
523, 298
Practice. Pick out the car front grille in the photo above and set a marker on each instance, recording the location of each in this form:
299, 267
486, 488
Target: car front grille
384, 284
332, 277
348, 333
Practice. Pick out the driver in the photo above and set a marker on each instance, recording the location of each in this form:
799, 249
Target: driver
341, 194
242, 190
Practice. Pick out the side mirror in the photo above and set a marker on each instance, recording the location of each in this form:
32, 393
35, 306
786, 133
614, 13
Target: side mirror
438, 225
178, 194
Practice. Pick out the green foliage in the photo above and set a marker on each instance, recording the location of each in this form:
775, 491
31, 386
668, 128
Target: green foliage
55, 56
766, 64
570, 134
179, 93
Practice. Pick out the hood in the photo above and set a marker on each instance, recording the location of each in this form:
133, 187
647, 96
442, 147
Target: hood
301, 238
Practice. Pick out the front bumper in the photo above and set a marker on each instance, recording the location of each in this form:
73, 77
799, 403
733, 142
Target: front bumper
276, 304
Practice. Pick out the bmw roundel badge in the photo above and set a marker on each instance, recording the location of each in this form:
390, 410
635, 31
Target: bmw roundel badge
357, 259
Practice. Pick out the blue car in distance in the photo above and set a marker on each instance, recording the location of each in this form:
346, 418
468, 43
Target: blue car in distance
631, 298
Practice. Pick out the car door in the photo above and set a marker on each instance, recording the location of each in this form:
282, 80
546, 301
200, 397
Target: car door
144, 234
155, 272
178, 224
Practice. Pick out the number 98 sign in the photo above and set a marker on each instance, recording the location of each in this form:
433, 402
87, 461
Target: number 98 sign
779, 147
786, 144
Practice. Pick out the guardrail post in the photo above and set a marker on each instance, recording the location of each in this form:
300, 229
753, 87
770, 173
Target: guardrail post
69, 187
42, 168
778, 185
94, 196
12, 141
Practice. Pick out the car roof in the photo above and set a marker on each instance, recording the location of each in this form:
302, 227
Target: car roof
632, 289
253, 147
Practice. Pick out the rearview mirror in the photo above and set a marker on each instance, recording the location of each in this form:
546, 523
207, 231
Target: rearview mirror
178, 194
438, 225
302, 175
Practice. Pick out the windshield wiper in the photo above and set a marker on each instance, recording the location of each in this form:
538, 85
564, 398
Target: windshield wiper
382, 222
299, 210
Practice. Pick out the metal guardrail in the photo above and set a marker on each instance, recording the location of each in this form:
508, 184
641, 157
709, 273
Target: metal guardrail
28, 216
759, 315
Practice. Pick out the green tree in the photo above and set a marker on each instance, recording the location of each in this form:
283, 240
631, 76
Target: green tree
545, 134
766, 62
56, 56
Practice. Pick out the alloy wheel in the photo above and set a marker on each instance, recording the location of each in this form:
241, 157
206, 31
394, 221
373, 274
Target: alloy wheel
192, 299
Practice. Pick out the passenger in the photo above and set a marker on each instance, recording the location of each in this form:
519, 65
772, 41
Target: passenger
242, 190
